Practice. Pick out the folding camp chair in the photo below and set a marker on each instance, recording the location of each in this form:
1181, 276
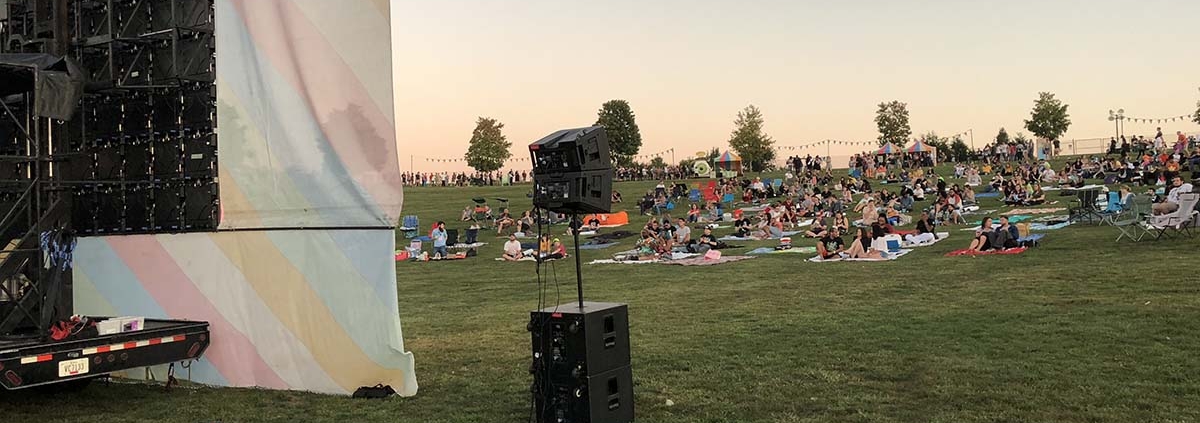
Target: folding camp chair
1113, 209
1133, 223
409, 226
1086, 207
694, 195
1178, 222
728, 198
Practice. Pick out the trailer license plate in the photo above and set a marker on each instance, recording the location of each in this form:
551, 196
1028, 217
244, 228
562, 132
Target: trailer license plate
68, 368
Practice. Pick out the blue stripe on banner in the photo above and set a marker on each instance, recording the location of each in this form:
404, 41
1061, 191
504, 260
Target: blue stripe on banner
296, 147
121, 288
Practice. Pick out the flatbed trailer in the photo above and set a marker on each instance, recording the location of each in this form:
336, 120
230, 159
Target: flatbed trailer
30, 363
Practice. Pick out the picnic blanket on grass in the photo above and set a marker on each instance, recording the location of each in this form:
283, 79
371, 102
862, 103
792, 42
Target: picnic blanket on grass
596, 246
701, 261
889, 256
1033, 239
1048, 227
938, 238
772, 250
969, 252
461, 246
629, 257
1036, 211
988, 195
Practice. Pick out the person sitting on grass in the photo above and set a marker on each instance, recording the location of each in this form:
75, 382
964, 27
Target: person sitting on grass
505, 220
881, 227
1036, 196
683, 233
968, 196
512, 249
647, 247
557, 250
1011, 233
707, 241
983, 236
468, 214
817, 229
841, 222
924, 230
693, 215
616, 196
831, 245
861, 247
773, 229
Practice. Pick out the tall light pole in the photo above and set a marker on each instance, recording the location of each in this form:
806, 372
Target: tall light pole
1117, 118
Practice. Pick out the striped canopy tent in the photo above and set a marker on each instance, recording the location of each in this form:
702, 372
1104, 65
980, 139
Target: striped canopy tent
730, 161
921, 147
888, 149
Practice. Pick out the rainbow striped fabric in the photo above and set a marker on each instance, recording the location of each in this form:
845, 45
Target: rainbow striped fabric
302, 295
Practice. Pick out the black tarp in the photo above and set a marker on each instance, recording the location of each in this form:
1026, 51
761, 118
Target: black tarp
56, 83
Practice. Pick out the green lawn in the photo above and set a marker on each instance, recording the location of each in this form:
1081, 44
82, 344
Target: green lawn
1078, 330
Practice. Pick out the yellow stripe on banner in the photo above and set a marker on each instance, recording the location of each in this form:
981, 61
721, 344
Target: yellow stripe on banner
248, 195
88, 300
286, 292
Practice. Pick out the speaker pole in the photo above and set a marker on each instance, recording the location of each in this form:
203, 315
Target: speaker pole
576, 227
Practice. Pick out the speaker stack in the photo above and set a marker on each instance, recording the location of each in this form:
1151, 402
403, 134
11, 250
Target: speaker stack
580, 368
572, 171
581, 364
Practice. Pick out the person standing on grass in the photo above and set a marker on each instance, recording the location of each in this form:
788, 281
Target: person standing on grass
439, 240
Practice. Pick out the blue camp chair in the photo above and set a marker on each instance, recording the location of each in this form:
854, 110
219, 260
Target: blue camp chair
1114, 202
694, 195
728, 198
409, 226
670, 205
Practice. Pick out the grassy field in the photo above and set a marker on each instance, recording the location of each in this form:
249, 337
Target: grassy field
1079, 330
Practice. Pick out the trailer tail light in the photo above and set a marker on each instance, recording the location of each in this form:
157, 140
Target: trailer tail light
13, 378
194, 350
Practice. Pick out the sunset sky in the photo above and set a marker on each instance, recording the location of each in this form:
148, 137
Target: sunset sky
816, 69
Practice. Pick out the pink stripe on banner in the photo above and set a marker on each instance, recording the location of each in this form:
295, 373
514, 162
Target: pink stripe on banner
306, 59
230, 352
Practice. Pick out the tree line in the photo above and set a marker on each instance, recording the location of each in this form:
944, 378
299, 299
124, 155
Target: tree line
489, 148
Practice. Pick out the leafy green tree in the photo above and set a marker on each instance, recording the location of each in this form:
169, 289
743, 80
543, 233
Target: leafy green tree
657, 162
1049, 118
1002, 137
959, 150
621, 126
892, 119
1196, 116
713, 155
1021, 138
942, 144
749, 141
489, 147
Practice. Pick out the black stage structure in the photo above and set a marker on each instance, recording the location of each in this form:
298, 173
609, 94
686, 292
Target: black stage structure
121, 140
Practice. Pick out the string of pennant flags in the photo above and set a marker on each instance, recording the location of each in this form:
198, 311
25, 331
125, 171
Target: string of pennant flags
1184, 118
526, 159
825, 143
